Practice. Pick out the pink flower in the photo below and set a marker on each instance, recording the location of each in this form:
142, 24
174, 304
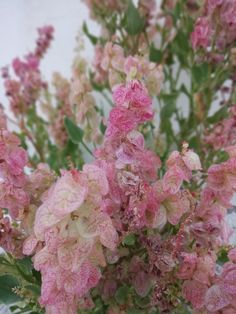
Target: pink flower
142, 283
228, 278
44, 40
187, 265
222, 294
133, 106
109, 289
201, 34
232, 255
13, 198
222, 176
175, 206
72, 229
17, 160
173, 180
133, 95
176, 159
205, 269
29, 245
194, 292
64, 197
192, 160
212, 4
217, 298
121, 120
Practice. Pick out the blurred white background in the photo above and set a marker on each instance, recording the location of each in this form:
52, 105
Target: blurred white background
19, 20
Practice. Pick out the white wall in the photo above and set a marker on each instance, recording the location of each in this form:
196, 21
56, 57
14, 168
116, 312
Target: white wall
19, 20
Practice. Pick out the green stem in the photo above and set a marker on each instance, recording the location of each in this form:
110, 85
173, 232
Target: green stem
108, 99
87, 148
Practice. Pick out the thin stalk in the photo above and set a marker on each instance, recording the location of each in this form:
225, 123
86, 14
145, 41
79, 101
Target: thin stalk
108, 99
87, 148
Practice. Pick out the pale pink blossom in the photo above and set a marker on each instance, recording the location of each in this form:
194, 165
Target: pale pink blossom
192, 160
188, 263
217, 298
194, 292
200, 37
232, 255
173, 180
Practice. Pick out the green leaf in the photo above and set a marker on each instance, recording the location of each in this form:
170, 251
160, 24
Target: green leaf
134, 23
194, 143
7, 283
129, 239
218, 115
134, 311
26, 264
182, 41
102, 127
222, 257
180, 47
75, 133
200, 73
121, 295
142, 302
169, 105
184, 90
91, 37
155, 55
34, 289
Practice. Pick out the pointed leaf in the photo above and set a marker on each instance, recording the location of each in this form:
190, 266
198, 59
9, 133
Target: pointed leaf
134, 22
75, 133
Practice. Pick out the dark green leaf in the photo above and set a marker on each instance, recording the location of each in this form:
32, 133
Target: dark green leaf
34, 289
222, 257
180, 47
25, 264
169, 105
218, 115
37, 275
121, 295
184, 90
134, 23
75, 133
129, 239
102, 127
182, 41
200, 73
7, 283
91, 37
134, 311
194, 143
155, 55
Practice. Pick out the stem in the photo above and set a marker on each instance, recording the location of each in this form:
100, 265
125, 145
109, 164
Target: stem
35, 144
108, 99
87, 148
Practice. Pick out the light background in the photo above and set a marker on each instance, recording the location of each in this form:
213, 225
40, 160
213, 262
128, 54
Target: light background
19, 20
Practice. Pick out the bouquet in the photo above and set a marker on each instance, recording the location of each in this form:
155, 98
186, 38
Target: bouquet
115, 183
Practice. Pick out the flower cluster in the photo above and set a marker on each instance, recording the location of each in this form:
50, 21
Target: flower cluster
98, 8
129, 165
223, 133
82, 99
13, 160
69, 232
218, 24
111, 64
24, 91
57, 113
